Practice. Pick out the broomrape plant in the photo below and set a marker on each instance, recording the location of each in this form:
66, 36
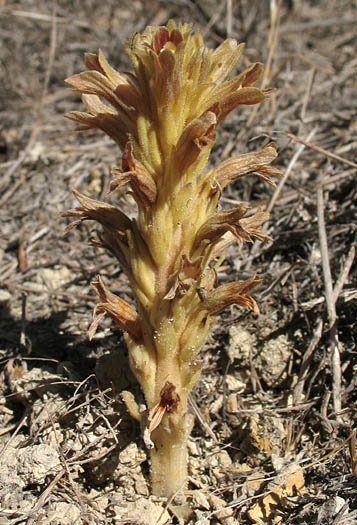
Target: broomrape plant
163, 116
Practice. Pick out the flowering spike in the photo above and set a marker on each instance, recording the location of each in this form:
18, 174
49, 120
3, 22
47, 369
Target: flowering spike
164, 117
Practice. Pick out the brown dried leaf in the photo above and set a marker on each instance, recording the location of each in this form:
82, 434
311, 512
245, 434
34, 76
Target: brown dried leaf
289, 482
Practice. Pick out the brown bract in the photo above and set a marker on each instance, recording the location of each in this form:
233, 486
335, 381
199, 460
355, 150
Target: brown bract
232, 293
233, 221
169, 400
117, 309
257, 162
133, 173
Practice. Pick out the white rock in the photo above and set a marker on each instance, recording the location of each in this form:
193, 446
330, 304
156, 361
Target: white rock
241, 343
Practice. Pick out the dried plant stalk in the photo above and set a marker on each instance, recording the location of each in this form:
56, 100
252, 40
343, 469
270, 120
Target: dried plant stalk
163, 116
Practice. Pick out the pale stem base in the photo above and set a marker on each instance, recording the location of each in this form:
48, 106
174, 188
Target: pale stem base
169, 459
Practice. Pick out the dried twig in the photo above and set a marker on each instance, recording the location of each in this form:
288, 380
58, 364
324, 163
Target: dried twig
344, 274
288, 171
273, 36
307, 93
200, 418
229, 18
304, 369
11, 439
352, 448
330, 300
42, 499
322, 150
313, 24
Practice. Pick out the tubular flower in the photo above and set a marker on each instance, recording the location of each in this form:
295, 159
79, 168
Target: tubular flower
163, 116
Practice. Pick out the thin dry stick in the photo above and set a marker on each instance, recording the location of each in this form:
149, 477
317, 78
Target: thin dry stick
322, 150
337, 289
42, 499
306, 26
307, 94
212, 21
273, 36
67, 469
304, 369
330, 301
229, 18
288, 171
23, 319
277, 192
352, 448
19, 426
49, 18
344, 274
204, 424
293, 194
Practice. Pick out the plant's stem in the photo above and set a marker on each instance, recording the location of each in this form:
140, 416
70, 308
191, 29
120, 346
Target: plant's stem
169, 457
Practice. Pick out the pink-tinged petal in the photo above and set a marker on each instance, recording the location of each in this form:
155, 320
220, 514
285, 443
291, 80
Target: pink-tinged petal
160, 38
253, 74
176, 37
117, 309
232, 293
